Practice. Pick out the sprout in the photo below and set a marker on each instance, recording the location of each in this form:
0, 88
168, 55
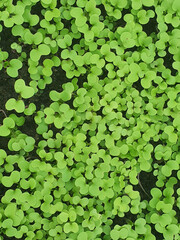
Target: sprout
42, 127
25, 91
30, 38
169, 167
66, 94
17, 105
169, 130
47, 70
16, 47
105, 50
63, 217
49, 15
54, 95
8, 124
65, 42
42, 49
160, 221
9, 181
140, 226
61, 163
127, 40
162, 152
29, 141
147, 55
143, 19
71, 227
170, 231
166, 208
15, 65
94, 188
156, 193
30, 109
77, 13
7, 223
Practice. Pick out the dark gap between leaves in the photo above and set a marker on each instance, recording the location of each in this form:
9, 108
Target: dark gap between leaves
4, 236
3, 189
6, 39
58, 4
168, 62
170, 27
30, 131
103, 10
14, 2
67, 23
147, 182
36, 9
81, 80
128, 218
152, 25
6, 89
137, 85
133, 49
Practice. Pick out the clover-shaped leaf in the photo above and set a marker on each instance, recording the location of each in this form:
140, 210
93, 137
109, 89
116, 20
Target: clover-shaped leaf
170, 231
71, 227
25, 91
8, 124
17, 105
61, 163
169, 130
65, 42
127, 40
15, 65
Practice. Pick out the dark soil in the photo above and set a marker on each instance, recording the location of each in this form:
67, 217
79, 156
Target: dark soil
147, 181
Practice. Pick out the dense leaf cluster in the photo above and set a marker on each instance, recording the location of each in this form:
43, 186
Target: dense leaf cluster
111, 115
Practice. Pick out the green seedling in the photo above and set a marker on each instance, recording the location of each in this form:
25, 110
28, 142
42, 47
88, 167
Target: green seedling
36, 54
77, 13
65, 42
105, 51
25, 91
14, 66
16, 47
169, 130
30, 38
17, 105
8, 124
127, 40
